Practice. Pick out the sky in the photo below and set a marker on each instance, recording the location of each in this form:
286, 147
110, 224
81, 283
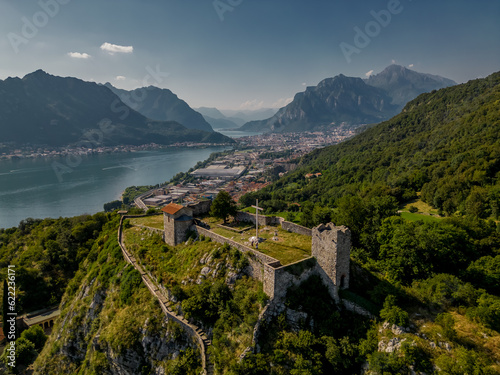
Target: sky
245, 54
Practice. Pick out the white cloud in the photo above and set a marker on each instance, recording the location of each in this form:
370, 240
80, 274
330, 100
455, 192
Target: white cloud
114, 48
120, 78
78, 55
393, 61
252, 104
304, 84
281, 102
410, 66
369, 73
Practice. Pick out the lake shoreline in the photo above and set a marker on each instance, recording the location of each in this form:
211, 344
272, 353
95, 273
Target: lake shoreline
31, 187
48, 153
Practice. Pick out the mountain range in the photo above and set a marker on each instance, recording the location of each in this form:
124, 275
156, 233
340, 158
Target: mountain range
351, 101
43, 109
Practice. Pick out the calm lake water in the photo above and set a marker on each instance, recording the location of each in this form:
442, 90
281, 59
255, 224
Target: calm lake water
32, 188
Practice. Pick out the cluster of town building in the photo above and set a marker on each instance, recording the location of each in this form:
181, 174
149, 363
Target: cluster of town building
247, 168
7, 152
304, 141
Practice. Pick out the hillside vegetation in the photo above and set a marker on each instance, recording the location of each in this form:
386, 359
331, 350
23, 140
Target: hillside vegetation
444, 144
437, 280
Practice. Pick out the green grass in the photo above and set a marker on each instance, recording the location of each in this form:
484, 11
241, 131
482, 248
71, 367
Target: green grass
421, 206
290, 248
416, 217
166, 262
149, 221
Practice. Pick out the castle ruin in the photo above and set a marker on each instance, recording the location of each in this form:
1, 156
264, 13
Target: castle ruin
330, 252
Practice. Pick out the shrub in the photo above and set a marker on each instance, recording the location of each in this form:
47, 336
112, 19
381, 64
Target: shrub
447, 322
392, 313
36, 335
130, 280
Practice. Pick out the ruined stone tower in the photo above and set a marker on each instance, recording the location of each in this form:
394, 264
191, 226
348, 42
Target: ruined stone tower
331, 246
177, 220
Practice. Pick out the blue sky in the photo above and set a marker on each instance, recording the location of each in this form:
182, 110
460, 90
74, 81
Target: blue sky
250, 53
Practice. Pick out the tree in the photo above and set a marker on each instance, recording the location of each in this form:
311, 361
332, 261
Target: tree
25, 351
223, 206
36, 335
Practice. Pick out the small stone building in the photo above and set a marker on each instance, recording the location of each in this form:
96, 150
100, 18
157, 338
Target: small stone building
177, 221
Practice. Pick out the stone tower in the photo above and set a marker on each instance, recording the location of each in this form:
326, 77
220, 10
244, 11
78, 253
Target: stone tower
177, 220
331, 246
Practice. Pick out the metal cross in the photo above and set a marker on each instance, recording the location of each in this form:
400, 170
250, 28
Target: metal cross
257, 208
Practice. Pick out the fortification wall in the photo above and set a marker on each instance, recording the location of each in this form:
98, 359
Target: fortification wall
257, 260
200, 208
290, 275
295, 228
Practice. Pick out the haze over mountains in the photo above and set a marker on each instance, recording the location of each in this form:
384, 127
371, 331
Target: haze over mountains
350, 100
232, 118
48, 110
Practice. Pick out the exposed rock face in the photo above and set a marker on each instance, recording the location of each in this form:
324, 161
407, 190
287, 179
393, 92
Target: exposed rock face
332, 102
98, 334
351, 101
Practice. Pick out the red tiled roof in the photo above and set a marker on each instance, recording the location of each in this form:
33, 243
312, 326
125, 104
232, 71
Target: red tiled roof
172, 208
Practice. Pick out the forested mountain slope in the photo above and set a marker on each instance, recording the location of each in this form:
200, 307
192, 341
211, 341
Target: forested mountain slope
435, 281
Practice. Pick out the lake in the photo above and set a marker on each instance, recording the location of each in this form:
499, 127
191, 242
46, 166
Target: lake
237, 133
41, 188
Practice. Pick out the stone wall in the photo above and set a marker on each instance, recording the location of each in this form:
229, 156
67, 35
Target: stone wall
278, 280
169, 230
181, 230
256, 259
200, 208
295, 228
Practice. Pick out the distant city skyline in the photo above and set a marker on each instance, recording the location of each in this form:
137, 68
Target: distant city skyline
242, 54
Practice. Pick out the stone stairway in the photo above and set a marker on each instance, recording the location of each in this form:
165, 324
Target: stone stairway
203, 341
